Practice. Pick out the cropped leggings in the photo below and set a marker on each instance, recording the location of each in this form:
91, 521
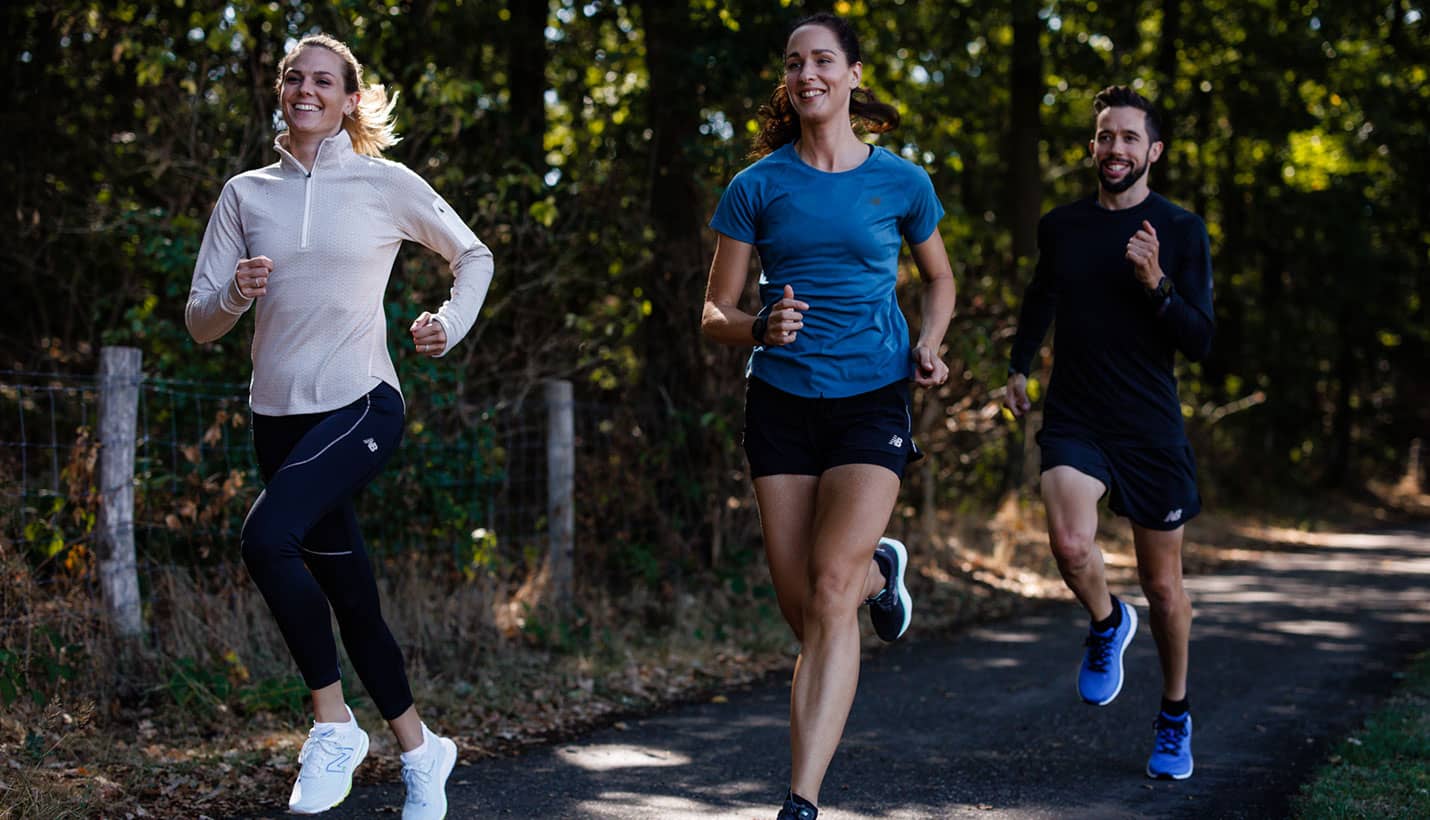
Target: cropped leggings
302, 546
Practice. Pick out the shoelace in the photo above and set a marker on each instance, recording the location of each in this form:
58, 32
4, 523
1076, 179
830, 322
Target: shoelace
1170, 736
323, 746
1099, 651
416, 781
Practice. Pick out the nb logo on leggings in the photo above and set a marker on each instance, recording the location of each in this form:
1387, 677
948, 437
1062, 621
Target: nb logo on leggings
371, 445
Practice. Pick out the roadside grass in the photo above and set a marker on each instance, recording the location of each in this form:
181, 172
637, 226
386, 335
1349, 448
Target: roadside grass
1383, 770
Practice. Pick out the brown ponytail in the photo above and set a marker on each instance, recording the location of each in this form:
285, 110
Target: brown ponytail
780, 125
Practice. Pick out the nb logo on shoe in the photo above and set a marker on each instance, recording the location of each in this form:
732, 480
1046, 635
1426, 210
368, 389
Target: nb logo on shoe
896, 441
339, 764
1174, 515
372, 446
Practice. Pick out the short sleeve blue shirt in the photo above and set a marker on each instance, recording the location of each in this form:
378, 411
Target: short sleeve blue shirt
834, 238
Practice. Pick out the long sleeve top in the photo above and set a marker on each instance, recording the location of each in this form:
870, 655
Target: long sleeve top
332, 231
1114, 346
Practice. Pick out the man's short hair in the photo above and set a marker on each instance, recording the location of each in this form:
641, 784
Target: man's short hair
1121, 96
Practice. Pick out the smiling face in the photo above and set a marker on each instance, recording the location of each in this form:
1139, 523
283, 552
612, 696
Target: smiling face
1122, 150
314, 99
818, 74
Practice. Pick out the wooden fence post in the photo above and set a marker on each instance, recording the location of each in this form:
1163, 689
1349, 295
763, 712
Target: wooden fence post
119, 377
560, 489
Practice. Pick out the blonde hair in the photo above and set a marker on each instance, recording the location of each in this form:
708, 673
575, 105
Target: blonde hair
371, 123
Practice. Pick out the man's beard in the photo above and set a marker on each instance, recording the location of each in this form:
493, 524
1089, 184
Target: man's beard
1127, 180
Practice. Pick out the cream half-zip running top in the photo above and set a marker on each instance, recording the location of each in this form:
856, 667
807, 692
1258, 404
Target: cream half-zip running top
320, 335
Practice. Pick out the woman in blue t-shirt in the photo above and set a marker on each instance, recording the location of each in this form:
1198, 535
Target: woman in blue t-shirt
827, 423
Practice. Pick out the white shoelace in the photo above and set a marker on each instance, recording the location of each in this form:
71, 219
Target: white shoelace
417, 780
320, 749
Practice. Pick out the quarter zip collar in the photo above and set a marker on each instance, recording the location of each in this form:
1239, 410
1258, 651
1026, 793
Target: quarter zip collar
332, 152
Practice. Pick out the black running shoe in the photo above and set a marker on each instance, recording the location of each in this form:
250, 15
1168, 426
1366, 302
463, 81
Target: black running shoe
797, 810
892, 608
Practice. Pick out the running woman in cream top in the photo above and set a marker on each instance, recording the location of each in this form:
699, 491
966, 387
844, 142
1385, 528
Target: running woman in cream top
332, 232
308, 244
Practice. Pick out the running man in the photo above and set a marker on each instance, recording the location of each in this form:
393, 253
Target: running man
1127, 275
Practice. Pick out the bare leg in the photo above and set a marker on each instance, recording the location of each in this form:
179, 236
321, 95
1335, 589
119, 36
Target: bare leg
787, 505
852, 509
328, 704
1159, 568
408, 729
1071, 499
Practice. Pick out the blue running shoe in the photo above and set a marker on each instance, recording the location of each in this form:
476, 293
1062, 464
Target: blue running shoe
891, 609
1099, 680
1172, 757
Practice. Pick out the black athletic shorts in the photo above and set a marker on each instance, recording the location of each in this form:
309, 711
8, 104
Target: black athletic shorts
1155, 487
787, 434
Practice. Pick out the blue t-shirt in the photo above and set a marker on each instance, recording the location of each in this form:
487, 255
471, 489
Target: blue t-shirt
834, 238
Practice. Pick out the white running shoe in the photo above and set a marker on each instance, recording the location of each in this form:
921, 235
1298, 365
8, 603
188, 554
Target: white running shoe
330, 755
425, 771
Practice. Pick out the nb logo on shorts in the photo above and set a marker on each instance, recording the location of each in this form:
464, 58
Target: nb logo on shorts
1174, 515
372, 446
896, 441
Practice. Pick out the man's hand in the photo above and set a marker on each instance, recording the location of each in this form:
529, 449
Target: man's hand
1142, 253
1015, 398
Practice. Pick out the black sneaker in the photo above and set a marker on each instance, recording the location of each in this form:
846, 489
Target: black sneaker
794, 809
892, 608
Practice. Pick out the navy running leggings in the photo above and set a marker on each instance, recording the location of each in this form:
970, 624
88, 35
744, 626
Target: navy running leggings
302, 546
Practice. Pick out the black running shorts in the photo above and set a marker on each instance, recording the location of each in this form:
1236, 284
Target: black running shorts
787, 434
1154, 487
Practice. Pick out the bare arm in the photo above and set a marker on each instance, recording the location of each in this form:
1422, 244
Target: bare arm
723, 321
940, 297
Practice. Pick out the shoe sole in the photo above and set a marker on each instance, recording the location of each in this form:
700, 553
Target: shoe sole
899, 588
1130, 613
1167, 776
357, 761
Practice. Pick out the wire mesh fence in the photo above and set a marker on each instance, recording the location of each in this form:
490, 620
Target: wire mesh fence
467, 497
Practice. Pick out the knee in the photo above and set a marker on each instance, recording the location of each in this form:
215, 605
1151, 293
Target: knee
1073, 548
1165, 593
832, 595
261, 540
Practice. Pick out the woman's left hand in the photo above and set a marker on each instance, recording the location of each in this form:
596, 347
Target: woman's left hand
428, 335
929, 371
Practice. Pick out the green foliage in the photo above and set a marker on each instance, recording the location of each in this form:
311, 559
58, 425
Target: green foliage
564, 633
40, 670
1299, 135
223, 682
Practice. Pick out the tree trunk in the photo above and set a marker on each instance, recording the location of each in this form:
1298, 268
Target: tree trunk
1026, 175
671, 333
526, 72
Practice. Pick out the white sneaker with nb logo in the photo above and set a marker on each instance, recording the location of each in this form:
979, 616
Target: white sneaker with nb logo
330, 755
425, 771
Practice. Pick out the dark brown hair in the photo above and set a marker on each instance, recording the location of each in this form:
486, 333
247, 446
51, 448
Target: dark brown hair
779, 124
1120, 96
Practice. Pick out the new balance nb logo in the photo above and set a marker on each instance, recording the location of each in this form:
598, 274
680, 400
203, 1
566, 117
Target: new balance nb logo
372, 445
896, 441
1174, 515
339, 764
